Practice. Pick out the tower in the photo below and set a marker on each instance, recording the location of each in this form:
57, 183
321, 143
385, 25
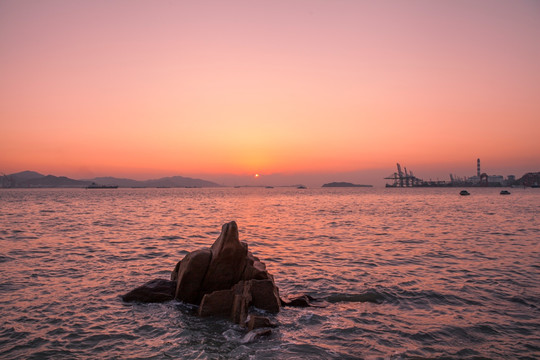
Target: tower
478, 168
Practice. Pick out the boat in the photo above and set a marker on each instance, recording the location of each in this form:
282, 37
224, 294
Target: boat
301, 187
97, 186
464, 193
505, 192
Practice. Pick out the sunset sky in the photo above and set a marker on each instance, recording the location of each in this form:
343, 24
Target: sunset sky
144, 89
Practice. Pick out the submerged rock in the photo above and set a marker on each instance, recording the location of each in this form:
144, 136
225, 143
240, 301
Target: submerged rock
303, 301
157, 290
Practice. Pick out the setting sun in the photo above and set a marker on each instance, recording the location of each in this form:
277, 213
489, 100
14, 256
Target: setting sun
257, 176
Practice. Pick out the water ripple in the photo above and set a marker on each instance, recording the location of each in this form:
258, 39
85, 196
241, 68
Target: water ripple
408, 274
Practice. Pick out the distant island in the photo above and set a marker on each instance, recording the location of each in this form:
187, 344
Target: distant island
344, 184
32, 179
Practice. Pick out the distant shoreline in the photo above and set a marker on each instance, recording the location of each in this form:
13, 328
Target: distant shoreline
344, 184
33, 180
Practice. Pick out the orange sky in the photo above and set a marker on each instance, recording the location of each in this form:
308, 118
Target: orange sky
154, 88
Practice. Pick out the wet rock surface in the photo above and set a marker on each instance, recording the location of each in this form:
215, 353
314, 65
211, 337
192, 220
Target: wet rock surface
157, 290
223, 280
303, 301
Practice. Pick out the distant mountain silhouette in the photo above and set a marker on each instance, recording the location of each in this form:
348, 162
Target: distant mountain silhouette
32, 179
172, 181
344, 184
54, 181
26, 175
179, 181
530, 179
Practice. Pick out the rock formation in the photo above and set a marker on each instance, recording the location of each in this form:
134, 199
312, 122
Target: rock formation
223, 280
157, 290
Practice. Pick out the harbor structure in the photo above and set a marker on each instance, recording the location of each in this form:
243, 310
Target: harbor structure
403, 178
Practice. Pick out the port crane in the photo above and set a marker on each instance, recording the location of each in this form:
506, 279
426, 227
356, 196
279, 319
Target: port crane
403, 178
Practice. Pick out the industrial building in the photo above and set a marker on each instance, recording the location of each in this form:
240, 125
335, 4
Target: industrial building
404, 178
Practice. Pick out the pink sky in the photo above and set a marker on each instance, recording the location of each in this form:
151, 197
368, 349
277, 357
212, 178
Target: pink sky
151, 88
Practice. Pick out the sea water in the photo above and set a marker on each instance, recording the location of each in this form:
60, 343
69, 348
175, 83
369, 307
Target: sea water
403, 272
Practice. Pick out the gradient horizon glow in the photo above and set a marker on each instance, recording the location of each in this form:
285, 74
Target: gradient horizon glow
140, 88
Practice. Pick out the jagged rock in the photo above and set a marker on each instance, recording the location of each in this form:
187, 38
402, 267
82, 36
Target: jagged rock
242, 299
157, 290
265, 295
217, 303
235, 302
174, 273
234, 281
229, 258
190, 274
224, 280
255, 269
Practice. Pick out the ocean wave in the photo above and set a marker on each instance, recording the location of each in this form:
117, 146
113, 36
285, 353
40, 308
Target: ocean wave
434, 278
4, 258
368, 296
431, 297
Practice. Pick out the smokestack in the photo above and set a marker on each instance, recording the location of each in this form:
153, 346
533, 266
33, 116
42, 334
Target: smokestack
478, 167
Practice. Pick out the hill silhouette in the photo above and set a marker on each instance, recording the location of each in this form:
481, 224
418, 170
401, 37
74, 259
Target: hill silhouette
344, 184
32, 179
